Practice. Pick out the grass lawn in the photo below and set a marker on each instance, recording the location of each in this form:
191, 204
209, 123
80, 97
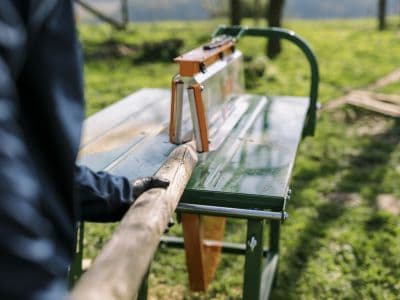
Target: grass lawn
339, 243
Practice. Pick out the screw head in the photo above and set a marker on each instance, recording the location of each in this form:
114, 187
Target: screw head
252, 243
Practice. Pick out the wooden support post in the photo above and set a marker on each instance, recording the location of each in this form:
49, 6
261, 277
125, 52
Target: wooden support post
118, 271
202, 259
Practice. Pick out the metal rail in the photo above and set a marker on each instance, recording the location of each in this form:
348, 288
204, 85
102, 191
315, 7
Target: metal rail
231, 212
275, 32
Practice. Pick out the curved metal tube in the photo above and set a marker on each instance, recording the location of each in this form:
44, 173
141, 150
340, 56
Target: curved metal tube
276, 32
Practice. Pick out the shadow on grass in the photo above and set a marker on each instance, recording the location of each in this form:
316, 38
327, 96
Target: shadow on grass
147, 52
364, 172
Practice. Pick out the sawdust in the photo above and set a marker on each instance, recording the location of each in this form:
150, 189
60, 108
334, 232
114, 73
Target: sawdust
388, 203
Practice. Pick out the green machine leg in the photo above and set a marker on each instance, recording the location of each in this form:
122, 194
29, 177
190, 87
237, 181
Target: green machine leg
270, 272
254, 258
274, 236
75, 270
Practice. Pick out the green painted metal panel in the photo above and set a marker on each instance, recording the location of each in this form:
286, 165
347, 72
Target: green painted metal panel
252, 168
130, 138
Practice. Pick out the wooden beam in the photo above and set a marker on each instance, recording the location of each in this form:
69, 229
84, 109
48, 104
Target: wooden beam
119, 269
368, 101
100, 15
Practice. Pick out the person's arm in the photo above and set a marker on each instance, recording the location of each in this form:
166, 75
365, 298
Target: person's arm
28, 260
105, 198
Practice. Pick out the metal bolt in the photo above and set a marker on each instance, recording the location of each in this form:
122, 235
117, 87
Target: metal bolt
252, 243
285, 215
289, 194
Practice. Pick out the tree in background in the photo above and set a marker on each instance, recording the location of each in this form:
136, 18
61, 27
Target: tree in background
274, 17
235, 13
381, 14
125, 12
257, 10
223, 8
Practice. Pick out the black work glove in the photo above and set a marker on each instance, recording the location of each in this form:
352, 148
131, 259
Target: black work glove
140, 185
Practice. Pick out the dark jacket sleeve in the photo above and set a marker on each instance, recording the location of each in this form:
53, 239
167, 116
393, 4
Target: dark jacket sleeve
28, 259
103, 197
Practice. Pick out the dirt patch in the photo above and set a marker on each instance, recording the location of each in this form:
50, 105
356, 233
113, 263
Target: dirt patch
388, 203
372, 128
345, 199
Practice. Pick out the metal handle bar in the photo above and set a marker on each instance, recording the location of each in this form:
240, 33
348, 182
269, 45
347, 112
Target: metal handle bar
276, 32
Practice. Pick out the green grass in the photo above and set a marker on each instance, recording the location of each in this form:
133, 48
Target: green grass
336, 244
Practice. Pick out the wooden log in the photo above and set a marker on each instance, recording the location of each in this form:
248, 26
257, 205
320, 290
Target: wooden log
119, 269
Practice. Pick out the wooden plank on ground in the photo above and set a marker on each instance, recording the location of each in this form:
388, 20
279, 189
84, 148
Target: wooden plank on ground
386, 80
367, 101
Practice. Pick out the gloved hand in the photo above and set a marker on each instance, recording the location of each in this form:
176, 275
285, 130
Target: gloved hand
140, 185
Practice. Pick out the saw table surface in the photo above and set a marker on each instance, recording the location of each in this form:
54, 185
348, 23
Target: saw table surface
251, 169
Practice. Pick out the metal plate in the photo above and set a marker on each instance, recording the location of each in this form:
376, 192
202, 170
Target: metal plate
129, 138
252, 168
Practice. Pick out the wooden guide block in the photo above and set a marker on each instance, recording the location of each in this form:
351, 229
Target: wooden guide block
202, 260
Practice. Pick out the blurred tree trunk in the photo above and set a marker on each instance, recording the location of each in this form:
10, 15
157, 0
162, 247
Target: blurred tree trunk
381, 14
235, 12
257, 10
125, 12
274, 17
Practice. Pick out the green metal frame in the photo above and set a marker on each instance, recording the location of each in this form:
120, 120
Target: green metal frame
281, 33
260, 264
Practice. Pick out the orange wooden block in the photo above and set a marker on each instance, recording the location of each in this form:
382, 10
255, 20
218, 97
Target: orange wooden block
202, 257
